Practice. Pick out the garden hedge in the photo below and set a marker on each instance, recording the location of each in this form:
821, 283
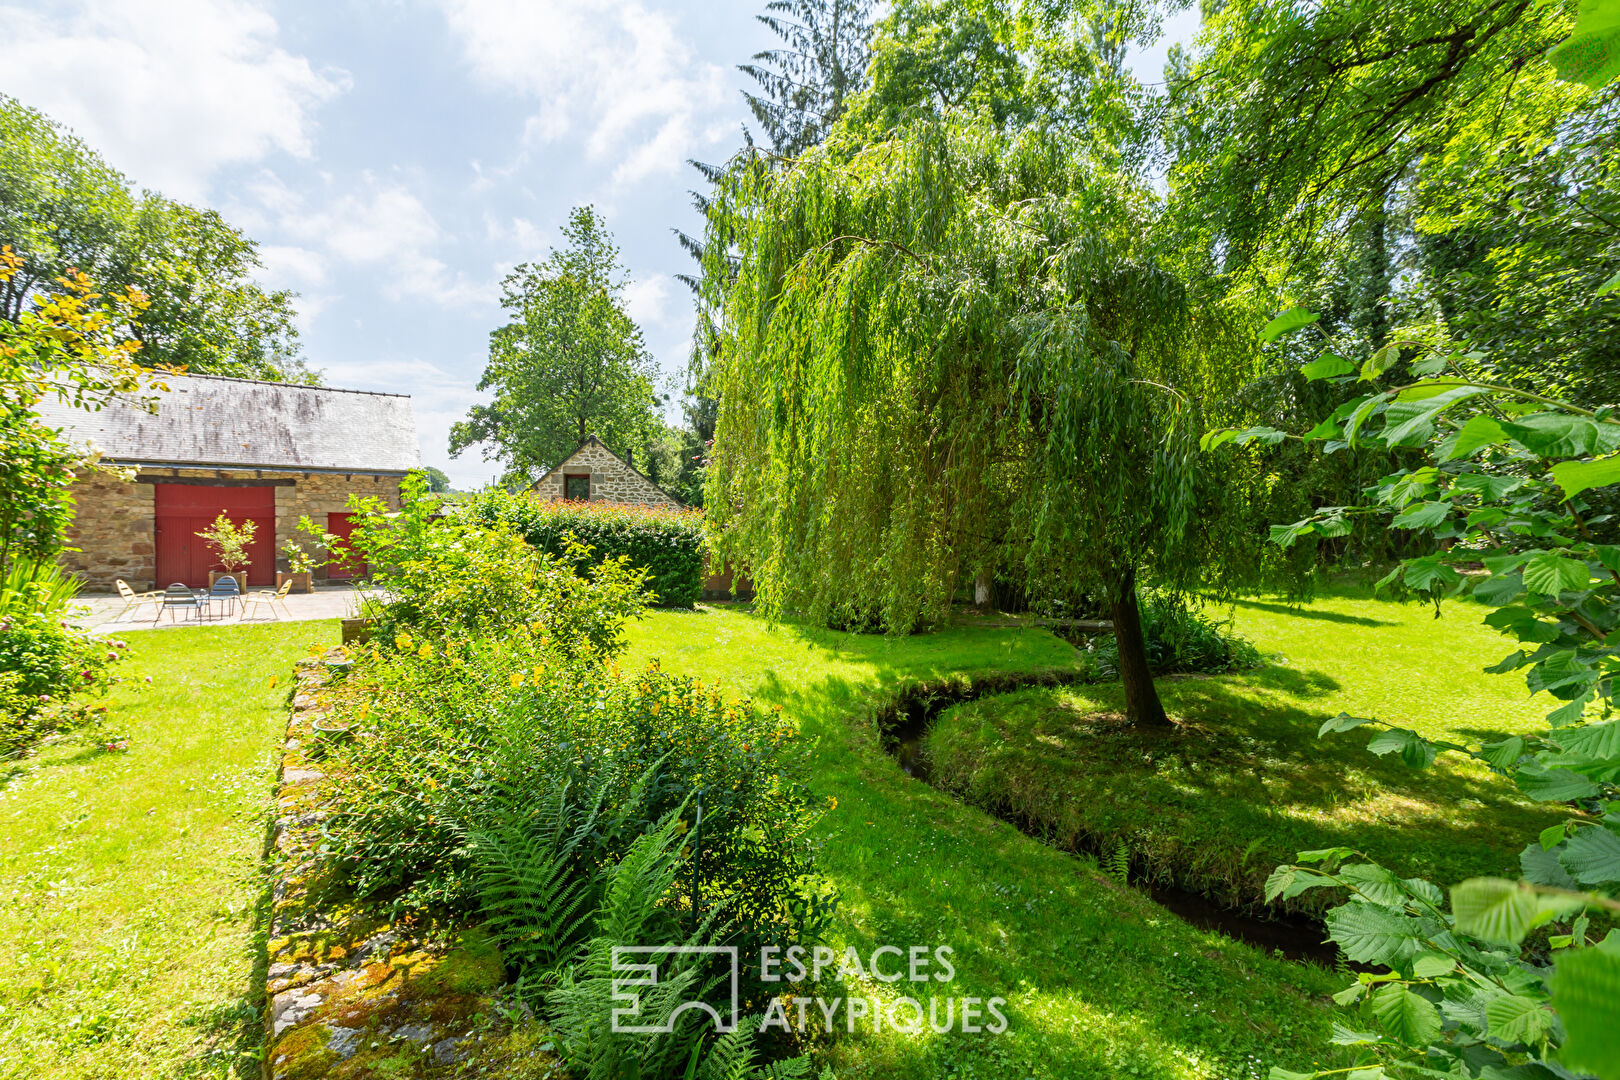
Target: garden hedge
667, 543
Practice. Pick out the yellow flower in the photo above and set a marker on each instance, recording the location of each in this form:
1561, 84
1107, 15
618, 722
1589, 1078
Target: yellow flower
832, 803
402, 642
613, 669
539, 673
272, 682
517, 679
425, 651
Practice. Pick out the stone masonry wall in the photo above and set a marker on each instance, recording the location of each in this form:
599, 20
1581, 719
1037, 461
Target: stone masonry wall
319, 494
114, 527
611, 479
114, 523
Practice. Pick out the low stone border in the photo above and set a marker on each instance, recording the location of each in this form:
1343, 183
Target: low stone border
348, 995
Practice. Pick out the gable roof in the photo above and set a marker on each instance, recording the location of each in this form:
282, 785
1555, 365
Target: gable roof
209, 420
592, 440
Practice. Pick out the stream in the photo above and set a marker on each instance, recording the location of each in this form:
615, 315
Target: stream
1297, 937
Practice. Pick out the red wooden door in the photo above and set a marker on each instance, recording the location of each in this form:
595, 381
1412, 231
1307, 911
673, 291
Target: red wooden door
350, 565
183, 510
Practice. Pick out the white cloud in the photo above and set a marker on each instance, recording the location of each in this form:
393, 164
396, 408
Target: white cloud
169, 90
617, 70
647, 300
381, 227
287, 266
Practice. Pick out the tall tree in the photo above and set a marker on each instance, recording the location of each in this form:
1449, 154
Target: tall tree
1051, 63
954, 353
62, 208
569, 364
805, 83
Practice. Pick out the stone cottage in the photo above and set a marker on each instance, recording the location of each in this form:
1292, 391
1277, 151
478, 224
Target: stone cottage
595, 473
258, 451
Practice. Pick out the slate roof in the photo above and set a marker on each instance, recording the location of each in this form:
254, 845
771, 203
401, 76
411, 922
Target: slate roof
208, 420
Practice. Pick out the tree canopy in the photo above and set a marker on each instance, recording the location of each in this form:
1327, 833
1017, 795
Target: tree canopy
63, 209
953, 353
806, 81
569, 364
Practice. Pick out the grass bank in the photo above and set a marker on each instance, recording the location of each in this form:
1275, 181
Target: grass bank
1244, 783
1100, 981
132, 899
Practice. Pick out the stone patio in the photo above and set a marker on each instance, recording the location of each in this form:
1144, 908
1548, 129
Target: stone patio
105, 614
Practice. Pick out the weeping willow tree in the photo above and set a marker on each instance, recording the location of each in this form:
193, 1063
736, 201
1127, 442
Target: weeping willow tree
951, 355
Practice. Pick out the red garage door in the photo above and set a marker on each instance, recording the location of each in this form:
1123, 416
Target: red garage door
183, 510
349, 564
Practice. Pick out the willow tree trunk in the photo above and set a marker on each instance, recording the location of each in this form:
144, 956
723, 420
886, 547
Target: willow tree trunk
1142, 705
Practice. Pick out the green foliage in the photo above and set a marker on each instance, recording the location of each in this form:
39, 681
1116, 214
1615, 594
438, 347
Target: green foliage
954, 353
667, 545
310, 547
1506, 486
67, 344
1592, 53
1180, 638
1057, 65
819, 65
229, 541
452, 576
62, 208
456, 725
45, 664
569, 364
1293, 116
437, 482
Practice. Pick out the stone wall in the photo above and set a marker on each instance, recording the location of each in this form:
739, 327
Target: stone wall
114, 527
611, 479
319, 494
114, 523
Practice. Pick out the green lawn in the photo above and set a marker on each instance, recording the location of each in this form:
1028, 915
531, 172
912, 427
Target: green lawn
1101, 982
130, 939
130, 932
1245, 783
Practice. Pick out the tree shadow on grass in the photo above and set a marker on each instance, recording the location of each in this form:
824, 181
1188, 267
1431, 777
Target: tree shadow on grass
914, 866
1311, 613
1305, 684
1242, 784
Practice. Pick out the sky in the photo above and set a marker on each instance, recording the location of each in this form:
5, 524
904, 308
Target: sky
396, 158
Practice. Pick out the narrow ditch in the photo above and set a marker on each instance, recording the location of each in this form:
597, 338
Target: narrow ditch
903, 724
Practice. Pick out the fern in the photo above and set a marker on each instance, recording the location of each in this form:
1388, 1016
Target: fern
631, 913
1118, 863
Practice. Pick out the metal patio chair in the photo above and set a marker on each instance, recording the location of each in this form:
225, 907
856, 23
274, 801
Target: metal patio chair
227, 592
271, 597
179, 597
134, 601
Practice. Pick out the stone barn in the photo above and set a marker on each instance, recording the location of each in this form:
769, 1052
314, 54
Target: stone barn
258, 451
593, 473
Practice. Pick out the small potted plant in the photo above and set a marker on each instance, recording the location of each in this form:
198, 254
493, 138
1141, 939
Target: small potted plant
229, 542
302, 557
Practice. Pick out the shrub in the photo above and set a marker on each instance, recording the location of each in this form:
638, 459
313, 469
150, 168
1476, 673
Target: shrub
1181, 640
445, 577
44, 662
457, 736
667, 544
229, 541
